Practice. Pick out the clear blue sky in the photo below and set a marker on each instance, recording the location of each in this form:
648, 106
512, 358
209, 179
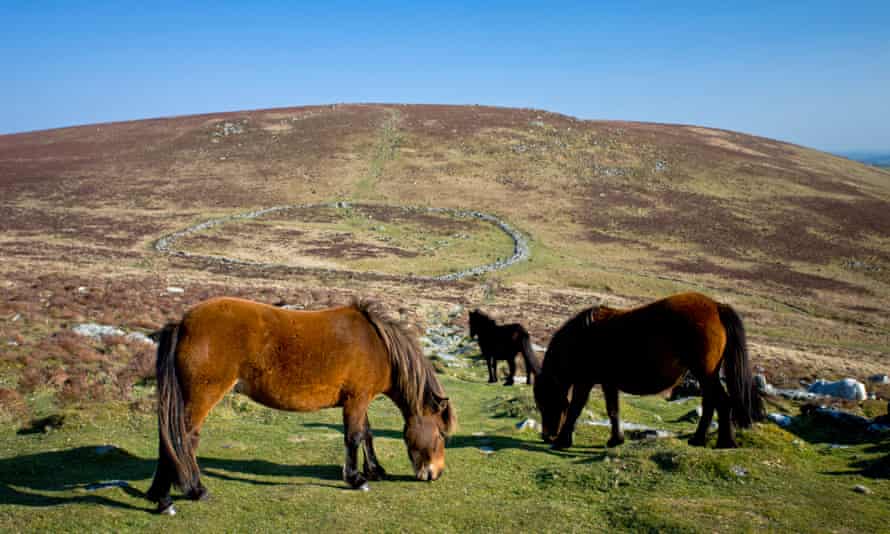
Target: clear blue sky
815, 73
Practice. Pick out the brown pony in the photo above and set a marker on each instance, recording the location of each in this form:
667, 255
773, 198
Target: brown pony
299, 361
643, 351
503, 342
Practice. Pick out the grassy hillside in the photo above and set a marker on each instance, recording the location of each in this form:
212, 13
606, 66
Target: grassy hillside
615, 212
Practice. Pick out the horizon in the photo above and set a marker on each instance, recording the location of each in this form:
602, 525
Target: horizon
77, 64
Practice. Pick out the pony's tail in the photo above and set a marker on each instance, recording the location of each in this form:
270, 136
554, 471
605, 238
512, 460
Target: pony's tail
528, 354
747, 406
175, 449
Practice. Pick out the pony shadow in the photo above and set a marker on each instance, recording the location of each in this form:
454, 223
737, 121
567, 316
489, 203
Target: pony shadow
38, 480
25, 479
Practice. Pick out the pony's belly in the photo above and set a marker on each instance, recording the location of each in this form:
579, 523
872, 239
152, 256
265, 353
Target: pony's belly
296, 398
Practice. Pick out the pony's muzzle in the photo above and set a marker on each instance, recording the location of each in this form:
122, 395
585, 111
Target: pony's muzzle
428, 473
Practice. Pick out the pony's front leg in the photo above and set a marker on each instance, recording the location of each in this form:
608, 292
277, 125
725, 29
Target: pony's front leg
611, 394
580, 394
372, 468
492, 369
354, 415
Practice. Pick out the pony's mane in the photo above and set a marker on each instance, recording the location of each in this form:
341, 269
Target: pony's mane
415, 377
568, 333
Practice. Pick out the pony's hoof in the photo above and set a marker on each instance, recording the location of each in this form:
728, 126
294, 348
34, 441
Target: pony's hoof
375, 474
199, 494
561, 444
492, 381
358, 482
614, 442
508, 383
696, 441
165, 507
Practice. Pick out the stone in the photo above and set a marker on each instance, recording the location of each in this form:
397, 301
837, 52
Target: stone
764, 386
859, 488
781, 419
94, 330
847, 388
174, 289
739, 471
528, 424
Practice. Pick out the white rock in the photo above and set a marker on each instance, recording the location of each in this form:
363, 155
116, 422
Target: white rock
174, 289
529, 424
97, 330
780, 419
859, 488
847, 388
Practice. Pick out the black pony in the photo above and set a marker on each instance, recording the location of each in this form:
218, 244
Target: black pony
503, 342
644, 351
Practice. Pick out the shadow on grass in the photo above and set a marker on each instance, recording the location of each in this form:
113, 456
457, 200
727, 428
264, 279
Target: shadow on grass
820, 429
76, 476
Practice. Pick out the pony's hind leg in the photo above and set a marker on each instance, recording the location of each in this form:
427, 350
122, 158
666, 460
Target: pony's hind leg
725, 432
372, 468
511, 362
611, 394
709, 396
354, 431
198, 407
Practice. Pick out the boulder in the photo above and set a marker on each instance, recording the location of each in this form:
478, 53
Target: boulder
847, 388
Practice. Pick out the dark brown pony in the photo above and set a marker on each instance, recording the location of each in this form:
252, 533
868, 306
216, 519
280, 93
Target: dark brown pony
503, 342
643, 351
298, 361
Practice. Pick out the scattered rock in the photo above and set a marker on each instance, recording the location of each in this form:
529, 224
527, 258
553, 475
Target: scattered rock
847, 388
859, 488
83, 289
95, 331
764, 386
739, 471
781, 419
174, 289
689, 387
538, 348
107, 484
528, 424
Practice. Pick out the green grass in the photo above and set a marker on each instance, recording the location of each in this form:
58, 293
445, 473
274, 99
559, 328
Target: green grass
275, 470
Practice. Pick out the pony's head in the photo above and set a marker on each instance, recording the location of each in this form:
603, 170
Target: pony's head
477, 320
553, 386
552, 398
425, 436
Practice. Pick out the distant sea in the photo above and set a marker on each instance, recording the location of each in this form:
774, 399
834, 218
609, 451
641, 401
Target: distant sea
878, 159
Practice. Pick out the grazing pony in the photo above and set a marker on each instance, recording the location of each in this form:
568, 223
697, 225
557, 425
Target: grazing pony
503, 342
643, 351
299, 361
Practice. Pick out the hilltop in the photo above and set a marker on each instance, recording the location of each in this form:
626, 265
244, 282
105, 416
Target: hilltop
128, 224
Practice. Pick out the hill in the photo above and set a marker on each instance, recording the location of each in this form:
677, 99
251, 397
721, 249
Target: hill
613, 212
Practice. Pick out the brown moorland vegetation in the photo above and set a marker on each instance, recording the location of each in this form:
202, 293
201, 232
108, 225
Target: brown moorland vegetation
797, 240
